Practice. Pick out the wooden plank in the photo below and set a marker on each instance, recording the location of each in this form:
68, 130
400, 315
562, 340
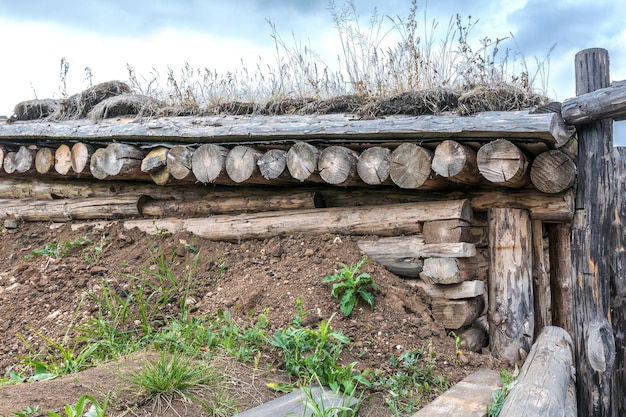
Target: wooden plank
338, 128
561, 279
618, 283
511, 318
604, 103
387, 220
467, 289
545, 380
294, 403
591, 246
468, 398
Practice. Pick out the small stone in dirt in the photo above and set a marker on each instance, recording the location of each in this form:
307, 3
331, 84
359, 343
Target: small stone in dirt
309, 252
98, 270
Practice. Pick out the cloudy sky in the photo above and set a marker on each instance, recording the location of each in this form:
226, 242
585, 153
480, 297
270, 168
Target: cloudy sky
106, 36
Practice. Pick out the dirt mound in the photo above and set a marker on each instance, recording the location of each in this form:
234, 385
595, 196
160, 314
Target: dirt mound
47, 296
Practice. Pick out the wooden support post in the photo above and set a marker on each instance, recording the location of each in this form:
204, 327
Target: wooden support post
561, 285
541, 280
618, 284
511, 317
591, 246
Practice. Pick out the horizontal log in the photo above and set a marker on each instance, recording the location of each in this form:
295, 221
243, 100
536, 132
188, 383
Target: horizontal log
373, 165
449, 270
382, 220
553, 172
273, 164
66, 210
179, 162
411, 168
502, 163
337, 165
241, 164
447, 231
454, 314
339, 128
605, 103
467, 289
545, 382
224, 205
456, 162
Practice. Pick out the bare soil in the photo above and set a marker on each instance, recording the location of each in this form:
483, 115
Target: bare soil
48, 296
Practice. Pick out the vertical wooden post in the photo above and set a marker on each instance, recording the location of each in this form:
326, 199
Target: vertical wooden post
541, 280
591, 246
559, 236
618, 284
511, 317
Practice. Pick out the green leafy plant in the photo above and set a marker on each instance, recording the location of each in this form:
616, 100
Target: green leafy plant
508, 382
412, 378
350, 286
29, 411
86, 406
59, 249
317, 407
315, 353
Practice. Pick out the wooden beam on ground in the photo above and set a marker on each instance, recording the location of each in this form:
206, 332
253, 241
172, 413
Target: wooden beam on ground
545, 385
511, 318
468, 398
294, 403
604, 103
591, 247
387, 220
337, 128
66, 210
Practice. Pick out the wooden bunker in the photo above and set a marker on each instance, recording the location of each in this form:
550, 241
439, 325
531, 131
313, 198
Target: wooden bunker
512, 221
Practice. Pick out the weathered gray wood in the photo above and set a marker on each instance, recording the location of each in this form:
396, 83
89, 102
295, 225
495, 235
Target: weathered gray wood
390, 253
511, 318
63, 159
302, 160
591, 246
454, 314
122, 160
604, 103
456, 162
44, 160
66, 210
553, 172
447, 231
467, 289
452, 270
273, 164
241, 164
25, 159
280, 129
542, 301
503, 163
3, 152
294, 403
208, 163
561, 285
179, 162
468, 398
618, 282
96, 163
155, 160
473, 338
381, 220
543, 383
373, 165
80, 156
410, 168
337, 164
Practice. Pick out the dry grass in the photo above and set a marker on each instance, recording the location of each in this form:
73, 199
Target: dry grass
391, 65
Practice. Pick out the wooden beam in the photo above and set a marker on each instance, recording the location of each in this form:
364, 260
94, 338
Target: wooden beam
618, 283
545, 384
387, 220
553, 172
511, 318
561, 280
454, 314
604, 103
591, 246
541, 279
66, 210
337, 128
